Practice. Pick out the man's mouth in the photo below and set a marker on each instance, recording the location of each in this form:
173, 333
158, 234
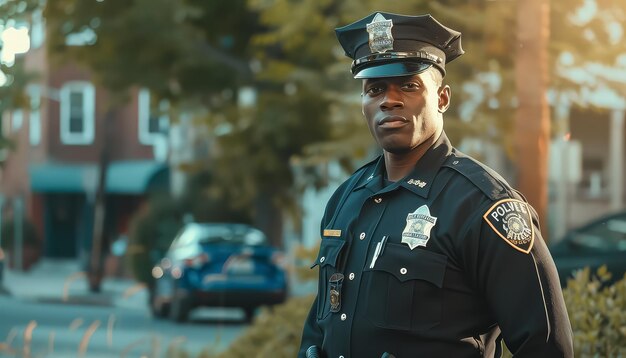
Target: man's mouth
392, 122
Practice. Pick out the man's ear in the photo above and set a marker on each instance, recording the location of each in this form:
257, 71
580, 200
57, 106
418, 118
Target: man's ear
444, 95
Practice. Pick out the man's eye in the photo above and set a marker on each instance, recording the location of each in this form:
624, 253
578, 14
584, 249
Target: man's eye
411, 85
373, 90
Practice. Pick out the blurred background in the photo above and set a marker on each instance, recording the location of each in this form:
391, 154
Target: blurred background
123, 122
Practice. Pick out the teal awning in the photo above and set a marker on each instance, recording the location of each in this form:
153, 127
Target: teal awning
123, 177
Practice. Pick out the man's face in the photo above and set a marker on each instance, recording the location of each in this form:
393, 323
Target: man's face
404, 112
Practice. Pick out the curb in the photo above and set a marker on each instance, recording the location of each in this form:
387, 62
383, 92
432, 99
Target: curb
78, 300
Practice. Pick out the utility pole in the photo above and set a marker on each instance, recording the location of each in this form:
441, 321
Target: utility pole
532, 120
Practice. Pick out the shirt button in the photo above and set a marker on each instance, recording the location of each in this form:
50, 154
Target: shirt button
343, 316
403, 271
322, 259
362, 236
351, 277
378, 200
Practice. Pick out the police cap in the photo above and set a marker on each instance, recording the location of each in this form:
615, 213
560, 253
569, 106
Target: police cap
388, 45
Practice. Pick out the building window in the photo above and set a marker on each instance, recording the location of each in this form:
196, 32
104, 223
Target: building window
78, 113
152, 122
16, 120
35, 115
37, 29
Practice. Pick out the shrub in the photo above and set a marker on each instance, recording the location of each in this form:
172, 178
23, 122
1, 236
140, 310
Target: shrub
597, 313
152, 230
275, 333
29, 234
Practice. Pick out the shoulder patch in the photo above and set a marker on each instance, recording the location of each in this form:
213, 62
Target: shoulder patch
512, 221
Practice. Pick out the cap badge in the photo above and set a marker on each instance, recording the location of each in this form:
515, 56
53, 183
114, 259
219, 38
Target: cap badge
380, 38
418, 225
511, 220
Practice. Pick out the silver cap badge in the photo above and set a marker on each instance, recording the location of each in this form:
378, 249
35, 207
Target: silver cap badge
380, 38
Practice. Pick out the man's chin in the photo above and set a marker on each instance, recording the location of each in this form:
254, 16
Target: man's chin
397, 149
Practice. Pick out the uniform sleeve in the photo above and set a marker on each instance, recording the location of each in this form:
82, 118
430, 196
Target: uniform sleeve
311, 334
518, 280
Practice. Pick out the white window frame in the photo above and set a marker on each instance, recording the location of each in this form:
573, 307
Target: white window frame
34, 127
89, 113
37, 29
143, 113
17, 120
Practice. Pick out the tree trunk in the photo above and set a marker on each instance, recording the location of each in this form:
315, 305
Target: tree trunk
269, 218
532, 121
96, 267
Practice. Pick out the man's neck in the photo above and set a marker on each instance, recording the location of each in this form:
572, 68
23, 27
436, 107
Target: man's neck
399, 165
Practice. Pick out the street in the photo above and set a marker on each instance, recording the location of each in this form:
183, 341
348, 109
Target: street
40, 329
50, 313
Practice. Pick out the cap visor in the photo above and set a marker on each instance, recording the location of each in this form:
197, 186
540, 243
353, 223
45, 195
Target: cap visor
393, 69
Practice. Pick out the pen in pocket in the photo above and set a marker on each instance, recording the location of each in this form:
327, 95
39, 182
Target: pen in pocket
378, 250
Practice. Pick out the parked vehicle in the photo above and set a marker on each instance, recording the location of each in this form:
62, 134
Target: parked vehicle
219, 265
600, 242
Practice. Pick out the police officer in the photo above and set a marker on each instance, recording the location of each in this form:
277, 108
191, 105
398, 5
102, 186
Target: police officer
426, 252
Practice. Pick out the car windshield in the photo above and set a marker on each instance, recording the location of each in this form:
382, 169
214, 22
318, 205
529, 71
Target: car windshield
607, 235
232, 234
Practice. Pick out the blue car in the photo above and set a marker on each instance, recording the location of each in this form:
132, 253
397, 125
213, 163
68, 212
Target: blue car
218, 265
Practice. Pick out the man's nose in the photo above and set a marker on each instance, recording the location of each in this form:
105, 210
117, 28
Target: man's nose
392, 99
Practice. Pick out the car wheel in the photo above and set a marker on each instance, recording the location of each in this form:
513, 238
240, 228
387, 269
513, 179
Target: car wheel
160, 309
180, 307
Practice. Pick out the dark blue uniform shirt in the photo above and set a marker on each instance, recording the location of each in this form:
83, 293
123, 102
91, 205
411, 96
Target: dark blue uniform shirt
461, 265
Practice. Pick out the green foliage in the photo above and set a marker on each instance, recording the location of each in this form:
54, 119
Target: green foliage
304, 256
29, 234
276, 332
152, 230
597, 313
182, 50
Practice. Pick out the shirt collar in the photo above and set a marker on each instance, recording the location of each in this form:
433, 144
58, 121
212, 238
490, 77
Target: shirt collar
420, 179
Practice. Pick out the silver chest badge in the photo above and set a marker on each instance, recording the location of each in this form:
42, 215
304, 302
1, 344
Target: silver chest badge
418, 225
380, 39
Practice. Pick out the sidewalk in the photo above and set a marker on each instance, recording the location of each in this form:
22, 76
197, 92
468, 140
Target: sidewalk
63, 281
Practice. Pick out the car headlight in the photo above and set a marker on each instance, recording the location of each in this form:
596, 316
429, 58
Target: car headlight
157, 272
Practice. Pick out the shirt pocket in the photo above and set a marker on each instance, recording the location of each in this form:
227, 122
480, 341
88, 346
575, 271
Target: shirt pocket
327, 260
404, 289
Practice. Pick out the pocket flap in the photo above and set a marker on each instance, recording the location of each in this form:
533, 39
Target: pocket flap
329, 252
417, 264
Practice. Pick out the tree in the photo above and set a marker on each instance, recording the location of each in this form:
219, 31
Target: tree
533, 117
198, 54
15, 76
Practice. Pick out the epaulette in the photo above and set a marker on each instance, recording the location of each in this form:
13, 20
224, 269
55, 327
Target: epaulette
484, 178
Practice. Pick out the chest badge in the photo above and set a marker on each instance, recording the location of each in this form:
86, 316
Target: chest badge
418, 225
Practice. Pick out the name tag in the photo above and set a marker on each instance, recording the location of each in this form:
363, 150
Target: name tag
333, 233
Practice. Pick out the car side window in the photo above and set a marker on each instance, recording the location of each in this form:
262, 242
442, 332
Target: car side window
608, 235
